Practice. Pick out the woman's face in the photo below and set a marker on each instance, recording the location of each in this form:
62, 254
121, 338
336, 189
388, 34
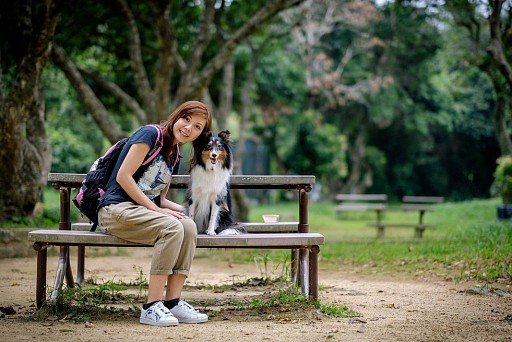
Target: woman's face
188, 128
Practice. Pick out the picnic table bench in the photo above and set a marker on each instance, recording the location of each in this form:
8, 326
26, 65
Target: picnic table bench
421, 204
280, 235
362, 202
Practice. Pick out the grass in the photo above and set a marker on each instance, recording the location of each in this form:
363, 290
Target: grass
467, 241
290, 299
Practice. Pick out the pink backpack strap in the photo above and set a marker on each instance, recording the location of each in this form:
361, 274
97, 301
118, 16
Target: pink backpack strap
159, 144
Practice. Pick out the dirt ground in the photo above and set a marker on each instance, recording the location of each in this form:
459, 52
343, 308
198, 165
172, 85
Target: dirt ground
392, 308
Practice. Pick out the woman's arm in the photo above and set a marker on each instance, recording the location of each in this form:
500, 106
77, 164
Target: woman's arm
130, 165
165, 203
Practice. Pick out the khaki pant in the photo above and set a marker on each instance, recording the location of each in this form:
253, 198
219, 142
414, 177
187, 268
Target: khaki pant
174, 239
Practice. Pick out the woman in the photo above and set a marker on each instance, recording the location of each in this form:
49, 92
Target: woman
135, 208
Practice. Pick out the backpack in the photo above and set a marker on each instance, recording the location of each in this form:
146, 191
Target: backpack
88, 197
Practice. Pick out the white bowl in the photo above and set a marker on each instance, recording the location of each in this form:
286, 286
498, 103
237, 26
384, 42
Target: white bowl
270, 218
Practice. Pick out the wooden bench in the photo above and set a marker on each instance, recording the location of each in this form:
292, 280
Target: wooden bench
280, 235
360, 202
421, 204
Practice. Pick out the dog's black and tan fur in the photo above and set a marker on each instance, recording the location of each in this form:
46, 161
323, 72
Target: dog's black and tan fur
208, 198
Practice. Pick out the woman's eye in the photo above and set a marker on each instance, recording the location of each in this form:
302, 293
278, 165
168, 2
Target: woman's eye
187, 118
198, 127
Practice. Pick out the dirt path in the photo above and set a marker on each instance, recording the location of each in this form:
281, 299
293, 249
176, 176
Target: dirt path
393, 309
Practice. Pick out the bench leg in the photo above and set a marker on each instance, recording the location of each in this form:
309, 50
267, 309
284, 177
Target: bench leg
63, 270
313, 273
80, 265
294, 266
380, 232
303, 269
418, 232
41, 275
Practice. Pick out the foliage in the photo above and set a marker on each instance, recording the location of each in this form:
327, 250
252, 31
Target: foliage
401, 72
503, 179
317, 149
69, 153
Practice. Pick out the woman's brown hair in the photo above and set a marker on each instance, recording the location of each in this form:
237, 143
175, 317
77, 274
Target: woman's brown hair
183, 110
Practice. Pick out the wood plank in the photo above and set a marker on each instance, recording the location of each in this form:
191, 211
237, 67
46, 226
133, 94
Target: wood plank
74, 180
423, 199
416, 207
252, 227
398, 225
277, 240
362, 197
360, 207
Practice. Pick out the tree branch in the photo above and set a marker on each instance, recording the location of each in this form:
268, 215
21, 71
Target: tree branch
99, 113
119, 94
142, 83
495, 47
202, 40
195, 87
166, 58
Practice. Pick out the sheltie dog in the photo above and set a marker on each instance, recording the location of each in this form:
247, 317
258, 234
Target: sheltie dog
207, 198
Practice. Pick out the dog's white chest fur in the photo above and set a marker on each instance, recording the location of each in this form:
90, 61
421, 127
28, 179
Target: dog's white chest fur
207, 185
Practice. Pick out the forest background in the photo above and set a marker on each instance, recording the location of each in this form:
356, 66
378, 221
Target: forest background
396, 97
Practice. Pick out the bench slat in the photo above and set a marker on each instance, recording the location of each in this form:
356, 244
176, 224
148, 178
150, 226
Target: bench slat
362, 197
415, 207
398, 224
422, 199
74, 180
252, 227
360, 207
274, 240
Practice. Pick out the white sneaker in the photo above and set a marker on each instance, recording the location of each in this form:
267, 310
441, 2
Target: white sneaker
185, 313
157, 314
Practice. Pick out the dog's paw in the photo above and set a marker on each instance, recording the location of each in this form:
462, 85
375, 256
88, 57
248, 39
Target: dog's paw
211, 232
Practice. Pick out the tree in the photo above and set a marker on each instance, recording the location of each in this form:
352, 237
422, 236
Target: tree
490, 52
165, 54
344, 61
27, 30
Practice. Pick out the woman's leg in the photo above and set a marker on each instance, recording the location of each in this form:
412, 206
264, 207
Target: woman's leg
175, 284
156, 287
176, 280
137, 224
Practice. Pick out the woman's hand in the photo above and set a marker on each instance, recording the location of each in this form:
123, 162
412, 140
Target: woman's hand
166, 211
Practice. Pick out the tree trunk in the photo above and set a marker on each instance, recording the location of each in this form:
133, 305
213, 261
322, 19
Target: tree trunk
360, 176
24, 154
241, 200
501, 114
226, 95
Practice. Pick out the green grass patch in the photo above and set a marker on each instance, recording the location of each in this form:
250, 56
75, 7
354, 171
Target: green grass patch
91, 302
289, 299
466, 241
335, 310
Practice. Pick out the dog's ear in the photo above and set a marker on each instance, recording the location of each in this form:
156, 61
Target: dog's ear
202, 140
226, 135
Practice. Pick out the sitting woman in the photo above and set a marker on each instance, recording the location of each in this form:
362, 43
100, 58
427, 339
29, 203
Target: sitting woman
135, 208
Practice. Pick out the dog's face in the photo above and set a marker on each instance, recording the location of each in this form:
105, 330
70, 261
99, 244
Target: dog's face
216, 149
